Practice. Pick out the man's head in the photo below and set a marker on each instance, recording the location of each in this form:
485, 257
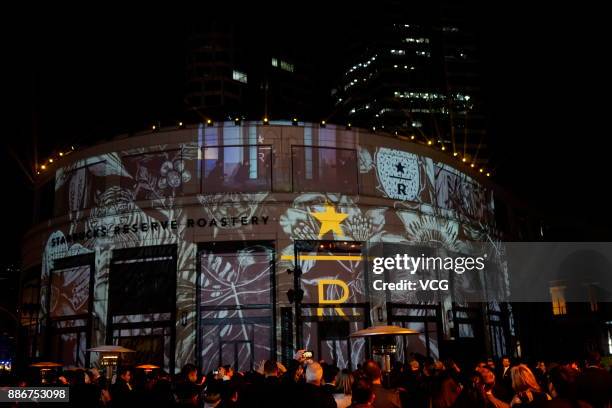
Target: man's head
506, 361
229, 371
362, 392
270, 369
487, 375
95, 373
329, 373
314, 373
125, 374
372, 371
414, 366
562, 381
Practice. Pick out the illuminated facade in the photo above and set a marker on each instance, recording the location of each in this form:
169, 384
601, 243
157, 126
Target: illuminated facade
177, 243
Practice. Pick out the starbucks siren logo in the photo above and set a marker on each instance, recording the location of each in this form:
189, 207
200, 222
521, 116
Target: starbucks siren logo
398, 173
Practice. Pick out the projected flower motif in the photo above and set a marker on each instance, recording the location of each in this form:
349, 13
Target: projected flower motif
430, 229
173, 174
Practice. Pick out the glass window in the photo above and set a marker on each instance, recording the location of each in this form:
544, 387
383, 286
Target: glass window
333, 299
69, 309
286, 66
557, 294
239, 76
70, 292
324, 169
142, 303
142, 281
236, 303
240, 168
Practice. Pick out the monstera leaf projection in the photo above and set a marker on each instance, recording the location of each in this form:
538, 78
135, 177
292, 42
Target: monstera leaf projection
236, 306
69, 308
70, 292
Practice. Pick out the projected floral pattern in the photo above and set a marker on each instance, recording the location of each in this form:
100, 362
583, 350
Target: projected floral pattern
446, 208
70, 292
155, 175
230, 282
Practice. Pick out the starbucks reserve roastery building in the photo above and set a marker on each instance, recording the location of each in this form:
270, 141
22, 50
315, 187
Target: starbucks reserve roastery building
177, 243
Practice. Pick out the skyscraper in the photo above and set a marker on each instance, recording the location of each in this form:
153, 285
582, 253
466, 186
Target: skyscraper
413, 68
241, 69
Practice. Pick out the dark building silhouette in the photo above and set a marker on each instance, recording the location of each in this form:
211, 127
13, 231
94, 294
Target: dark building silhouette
241, 69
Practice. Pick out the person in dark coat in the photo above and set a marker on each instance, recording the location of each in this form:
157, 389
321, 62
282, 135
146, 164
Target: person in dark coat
313, 395
122, 393
385, 398
562, 387
594, 384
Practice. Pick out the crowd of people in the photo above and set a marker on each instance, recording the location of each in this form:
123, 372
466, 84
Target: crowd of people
304, 383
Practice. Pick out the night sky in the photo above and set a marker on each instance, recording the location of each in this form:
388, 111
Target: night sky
108, 71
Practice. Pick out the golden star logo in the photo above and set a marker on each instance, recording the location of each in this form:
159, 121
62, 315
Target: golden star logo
330, 220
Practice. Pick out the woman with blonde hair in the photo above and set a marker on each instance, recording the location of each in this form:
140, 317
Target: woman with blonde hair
343, 391
525, 385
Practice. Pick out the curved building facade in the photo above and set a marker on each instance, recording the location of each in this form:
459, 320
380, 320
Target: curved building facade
232, 243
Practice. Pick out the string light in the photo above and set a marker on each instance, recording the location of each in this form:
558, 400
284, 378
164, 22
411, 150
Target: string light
295, 122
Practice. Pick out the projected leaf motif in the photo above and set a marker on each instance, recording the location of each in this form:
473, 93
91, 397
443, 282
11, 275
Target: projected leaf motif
70, 292
231, 280
155, 175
